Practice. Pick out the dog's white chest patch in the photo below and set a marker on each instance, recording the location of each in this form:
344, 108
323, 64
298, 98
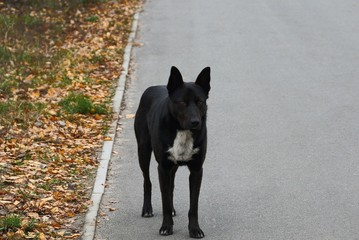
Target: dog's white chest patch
182, 149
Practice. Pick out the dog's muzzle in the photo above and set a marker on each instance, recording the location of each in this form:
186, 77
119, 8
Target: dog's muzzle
195, 124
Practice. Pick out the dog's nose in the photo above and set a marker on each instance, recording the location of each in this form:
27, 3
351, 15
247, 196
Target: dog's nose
195, 123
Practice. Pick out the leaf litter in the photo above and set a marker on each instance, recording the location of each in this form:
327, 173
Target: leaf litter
48, 153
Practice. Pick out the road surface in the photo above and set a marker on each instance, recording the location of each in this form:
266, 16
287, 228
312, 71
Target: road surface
283, 120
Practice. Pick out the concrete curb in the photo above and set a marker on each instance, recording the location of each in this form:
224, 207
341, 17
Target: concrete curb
99, 186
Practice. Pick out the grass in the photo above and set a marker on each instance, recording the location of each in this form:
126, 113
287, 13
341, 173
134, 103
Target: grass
65, 81
55, 93
51, 184
30, 226
97, 58
5, 55
19, 112
6, 85
10, 222
15, 26
2, 185
92, 1
93, 18
79, 103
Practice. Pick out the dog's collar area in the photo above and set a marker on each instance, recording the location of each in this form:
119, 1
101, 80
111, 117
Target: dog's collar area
182, 149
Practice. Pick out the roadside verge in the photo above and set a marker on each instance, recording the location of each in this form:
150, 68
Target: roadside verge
99, 185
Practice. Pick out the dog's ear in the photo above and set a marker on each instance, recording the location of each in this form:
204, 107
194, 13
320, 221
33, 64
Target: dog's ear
203, 79
175, 80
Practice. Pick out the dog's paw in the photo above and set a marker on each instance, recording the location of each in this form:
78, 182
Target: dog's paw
196, 233
147, 212
166, 230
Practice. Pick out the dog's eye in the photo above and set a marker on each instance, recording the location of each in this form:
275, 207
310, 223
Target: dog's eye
200, 103
182, 103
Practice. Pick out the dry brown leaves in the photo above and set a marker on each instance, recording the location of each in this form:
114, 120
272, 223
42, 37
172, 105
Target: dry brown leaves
46, 167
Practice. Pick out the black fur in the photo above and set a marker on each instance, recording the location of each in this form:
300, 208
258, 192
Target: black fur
162, 112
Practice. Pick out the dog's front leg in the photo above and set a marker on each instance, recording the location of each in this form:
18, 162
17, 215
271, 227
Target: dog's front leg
165, 185
195, 180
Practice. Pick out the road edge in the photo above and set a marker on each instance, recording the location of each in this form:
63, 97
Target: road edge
89, 228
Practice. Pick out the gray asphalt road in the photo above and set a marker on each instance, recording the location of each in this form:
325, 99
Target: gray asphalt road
283, 155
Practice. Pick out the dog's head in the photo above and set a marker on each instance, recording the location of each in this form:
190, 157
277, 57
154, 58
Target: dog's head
188, 100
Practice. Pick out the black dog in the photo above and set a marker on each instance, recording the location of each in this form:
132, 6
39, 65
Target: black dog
171, 121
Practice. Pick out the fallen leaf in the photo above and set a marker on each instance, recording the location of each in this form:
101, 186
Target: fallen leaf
52, 112
33, 215
137, 44
130, 116
47, 154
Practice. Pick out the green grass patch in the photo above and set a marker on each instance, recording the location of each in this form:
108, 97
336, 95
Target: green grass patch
21, 112
41, 4
10, 222
5, 55
51, 184
24, 36
19, 107
54, 4
30, 226
98, 58
6, 85
6, 24
21, 57
65, 81
79, 103
27, 195
76, 103
31, 21
15, 26
35, 59
93, 18
91, 1
105, 129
